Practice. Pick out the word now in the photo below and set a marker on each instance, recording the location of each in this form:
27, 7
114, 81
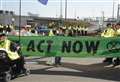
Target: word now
65, 46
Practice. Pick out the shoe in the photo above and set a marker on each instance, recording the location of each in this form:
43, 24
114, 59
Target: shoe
116, 62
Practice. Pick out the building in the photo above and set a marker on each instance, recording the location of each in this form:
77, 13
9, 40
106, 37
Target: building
9, 17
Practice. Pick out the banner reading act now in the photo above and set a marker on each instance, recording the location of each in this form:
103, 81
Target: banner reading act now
69, 46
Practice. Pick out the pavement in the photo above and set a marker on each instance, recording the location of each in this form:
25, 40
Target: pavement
71, 70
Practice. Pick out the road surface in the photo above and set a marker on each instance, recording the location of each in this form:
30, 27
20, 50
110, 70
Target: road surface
71, 70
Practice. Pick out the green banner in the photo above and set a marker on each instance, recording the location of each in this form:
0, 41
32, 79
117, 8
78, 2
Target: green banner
69, 46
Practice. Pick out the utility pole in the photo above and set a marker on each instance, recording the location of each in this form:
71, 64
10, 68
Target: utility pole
118, 11
113, 9
65, 9
61, 16
103, 18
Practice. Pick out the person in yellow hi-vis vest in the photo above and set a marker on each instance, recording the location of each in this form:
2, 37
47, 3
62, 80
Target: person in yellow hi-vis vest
13, 53
109, 32
117, 28
51, 33
54, 61
50, 61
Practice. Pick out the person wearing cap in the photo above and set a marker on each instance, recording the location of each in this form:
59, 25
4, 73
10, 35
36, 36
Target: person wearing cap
117, 28
107, 33
13, 51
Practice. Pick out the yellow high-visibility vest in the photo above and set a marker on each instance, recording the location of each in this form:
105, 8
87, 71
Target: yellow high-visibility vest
51, 33
118, 31
80, 28
109, 33
85, 29
6, 45
1, 26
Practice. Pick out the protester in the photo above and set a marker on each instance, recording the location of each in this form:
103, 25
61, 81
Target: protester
14, 54
86, 31
109, 32
1, 28
117, 28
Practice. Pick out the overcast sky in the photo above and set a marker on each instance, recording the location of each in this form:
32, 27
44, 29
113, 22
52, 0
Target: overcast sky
81, 8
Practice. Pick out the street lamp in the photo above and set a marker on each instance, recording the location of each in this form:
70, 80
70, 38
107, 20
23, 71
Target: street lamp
113, 9
118, 11
65, 9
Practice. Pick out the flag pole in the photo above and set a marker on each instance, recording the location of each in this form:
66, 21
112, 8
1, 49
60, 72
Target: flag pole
19, 21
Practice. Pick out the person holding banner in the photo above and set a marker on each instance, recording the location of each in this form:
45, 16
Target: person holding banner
109, 32
117, 28
53, 61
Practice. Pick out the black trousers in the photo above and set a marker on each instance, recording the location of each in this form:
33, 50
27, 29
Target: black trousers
57, 60
19, 64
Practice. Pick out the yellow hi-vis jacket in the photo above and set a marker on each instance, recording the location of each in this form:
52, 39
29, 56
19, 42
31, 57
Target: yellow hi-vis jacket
51, 33
12, 55
109, 33
118, 31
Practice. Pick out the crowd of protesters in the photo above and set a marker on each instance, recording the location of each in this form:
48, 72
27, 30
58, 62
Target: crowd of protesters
64, 31
6, 28
44, 30
112, 30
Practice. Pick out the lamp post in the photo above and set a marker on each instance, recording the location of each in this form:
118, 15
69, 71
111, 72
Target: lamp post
113, 9
118, 11
61, 14
103, 19
65, 9
61, 9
